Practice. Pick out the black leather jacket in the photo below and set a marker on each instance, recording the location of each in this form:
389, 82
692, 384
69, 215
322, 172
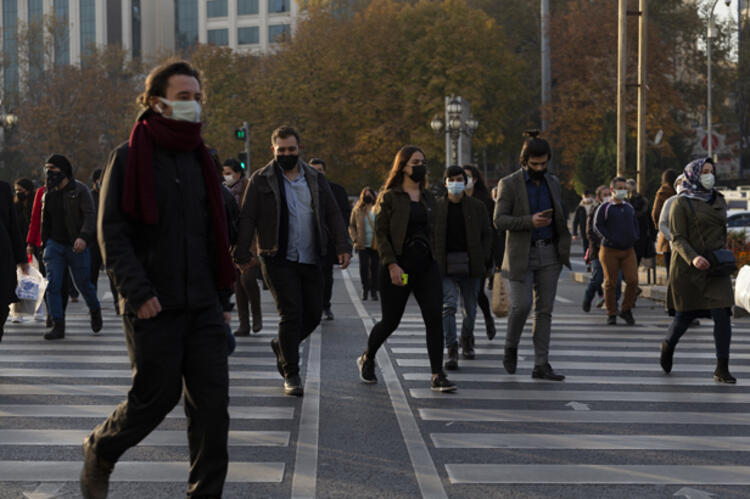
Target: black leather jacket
80, 218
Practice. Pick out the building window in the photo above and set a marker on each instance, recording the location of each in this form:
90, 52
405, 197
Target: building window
216, 8
248, 36
247, 7
136, 28
36, 39
278, 33
10, 47
218, 36
114, 25
62, 33
88, 26
275, 6
186, 26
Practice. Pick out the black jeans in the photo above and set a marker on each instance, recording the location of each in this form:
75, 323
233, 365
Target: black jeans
295, 288
246, 291
428, 290
722, 328
176, 346
369, 265
327, 269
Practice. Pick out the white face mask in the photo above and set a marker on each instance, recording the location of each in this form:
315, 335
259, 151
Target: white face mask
455, 188
621, 194
708, 180
469, 183
229, 179
183, 110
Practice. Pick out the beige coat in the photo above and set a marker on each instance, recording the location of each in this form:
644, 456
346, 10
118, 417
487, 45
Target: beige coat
357, 227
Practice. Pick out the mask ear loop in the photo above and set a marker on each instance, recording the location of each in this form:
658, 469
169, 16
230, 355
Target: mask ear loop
158, 108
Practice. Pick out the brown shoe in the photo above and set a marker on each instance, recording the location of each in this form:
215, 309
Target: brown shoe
95, 473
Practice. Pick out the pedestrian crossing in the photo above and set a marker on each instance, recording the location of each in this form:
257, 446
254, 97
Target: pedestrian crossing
616, 420
52, 394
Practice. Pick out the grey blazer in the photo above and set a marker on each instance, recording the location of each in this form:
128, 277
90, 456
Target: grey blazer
512, 214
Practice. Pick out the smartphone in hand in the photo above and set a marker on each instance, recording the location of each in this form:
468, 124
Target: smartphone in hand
548, 213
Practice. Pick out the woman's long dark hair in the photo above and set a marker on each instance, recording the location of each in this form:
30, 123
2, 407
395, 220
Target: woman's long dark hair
361, 201
480, 186
396, 175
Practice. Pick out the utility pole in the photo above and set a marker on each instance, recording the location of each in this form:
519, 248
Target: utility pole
622, 64
246, 126
642, 138
546, 77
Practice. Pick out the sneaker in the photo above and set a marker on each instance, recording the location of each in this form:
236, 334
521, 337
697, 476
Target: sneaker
242, 331
364, 295
39, 317
293, 386
16, 319
510, 360
452, 363
94, 480
491, 331
612, 320
467, 347
545, 371
57, 332
627, 316
600, 303
96, 321
366, 370
586, 306
328, 314
277, 352
441, 384
666, 357
374, 295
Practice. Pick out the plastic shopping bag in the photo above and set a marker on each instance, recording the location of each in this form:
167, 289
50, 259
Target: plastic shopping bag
30, 291
742, 288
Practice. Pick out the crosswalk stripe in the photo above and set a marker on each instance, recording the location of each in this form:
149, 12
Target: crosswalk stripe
613, 417
583, 353
102, 411
122, 390
32, 372
155, 439
589, 396
597, 474
65, 348
654, 343
130, 471
588, 442
58, 358
506, 379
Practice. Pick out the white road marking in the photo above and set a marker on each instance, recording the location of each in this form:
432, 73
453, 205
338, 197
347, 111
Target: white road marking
102, 411
671, 397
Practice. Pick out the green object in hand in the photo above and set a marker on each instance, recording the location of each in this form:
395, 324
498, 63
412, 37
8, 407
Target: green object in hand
405, 279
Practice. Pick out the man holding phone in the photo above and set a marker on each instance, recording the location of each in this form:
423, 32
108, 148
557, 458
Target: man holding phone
529, 207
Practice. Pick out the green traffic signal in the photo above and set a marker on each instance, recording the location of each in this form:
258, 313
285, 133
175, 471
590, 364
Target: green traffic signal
240, 133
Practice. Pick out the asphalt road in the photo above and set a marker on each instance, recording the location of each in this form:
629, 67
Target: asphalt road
615, 428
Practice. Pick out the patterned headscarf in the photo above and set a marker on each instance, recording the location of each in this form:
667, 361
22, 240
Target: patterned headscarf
693, 187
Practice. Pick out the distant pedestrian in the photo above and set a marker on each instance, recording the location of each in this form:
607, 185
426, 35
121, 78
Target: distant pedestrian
583, 210
591, 256
403, 233
342, 200
463, 241
247, 291
164, 239
663, 222
616, 224
666, 191
12, 253
291, 210
644, 245
96, 255
697, 288
22, 204
530, 208
68, 227
362, 232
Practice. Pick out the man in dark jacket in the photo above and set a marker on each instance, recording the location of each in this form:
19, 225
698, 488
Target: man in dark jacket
163, 236
342, 200
463, 242
68, 230
617, 225
291, 208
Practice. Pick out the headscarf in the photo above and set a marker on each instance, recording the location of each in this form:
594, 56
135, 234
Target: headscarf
693, 187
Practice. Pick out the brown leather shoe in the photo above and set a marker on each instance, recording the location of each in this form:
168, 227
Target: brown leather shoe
95, 473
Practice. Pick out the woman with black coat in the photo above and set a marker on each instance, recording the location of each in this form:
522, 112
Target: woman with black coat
12, 253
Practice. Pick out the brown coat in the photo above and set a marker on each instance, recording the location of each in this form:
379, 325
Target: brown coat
357, 228
665, 192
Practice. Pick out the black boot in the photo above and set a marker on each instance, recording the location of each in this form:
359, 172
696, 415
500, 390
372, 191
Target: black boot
667, 353
57, 332
364, 294
721, 374
467, 347
510, 359
452, 363
96, 321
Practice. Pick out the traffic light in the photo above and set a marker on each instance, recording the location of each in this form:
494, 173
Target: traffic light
243, 160
240, 133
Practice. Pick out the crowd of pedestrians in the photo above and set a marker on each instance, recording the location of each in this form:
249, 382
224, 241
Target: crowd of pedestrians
179, 232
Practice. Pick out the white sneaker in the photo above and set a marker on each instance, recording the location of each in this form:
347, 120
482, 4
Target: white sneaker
16, 319
40, 316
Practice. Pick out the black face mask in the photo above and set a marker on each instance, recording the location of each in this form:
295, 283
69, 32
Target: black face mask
54, 178
536, 175
287, 162
368, 200
418, 173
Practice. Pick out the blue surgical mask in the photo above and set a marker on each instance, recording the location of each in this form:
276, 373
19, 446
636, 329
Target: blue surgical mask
183, 110
455, 188
621, 194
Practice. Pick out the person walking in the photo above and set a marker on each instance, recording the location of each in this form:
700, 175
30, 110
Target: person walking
666, 191
463, 241
291, 210
697, 287
22, 205
644, 245
583, 210
477, 187
362, 232
404, 237
68, 229
246, 289
615, 222
529, 207
594, 287
342, 200
12, 253
164, 239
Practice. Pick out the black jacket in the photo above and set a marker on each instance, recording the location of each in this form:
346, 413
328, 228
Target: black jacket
12, 249
342, 200
478, 231
80, 217
173, 260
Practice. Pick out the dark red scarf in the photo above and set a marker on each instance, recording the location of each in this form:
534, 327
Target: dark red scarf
139, 194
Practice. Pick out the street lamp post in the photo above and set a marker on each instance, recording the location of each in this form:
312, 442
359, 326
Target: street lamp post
709, 38
455, 126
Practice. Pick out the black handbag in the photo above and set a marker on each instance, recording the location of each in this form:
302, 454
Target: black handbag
722, 260
457, 264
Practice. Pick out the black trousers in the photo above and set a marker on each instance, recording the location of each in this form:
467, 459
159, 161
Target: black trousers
295, 288
327, 269
369, 266
722, 328
428, 290
176, 347
96, 266
247, 291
